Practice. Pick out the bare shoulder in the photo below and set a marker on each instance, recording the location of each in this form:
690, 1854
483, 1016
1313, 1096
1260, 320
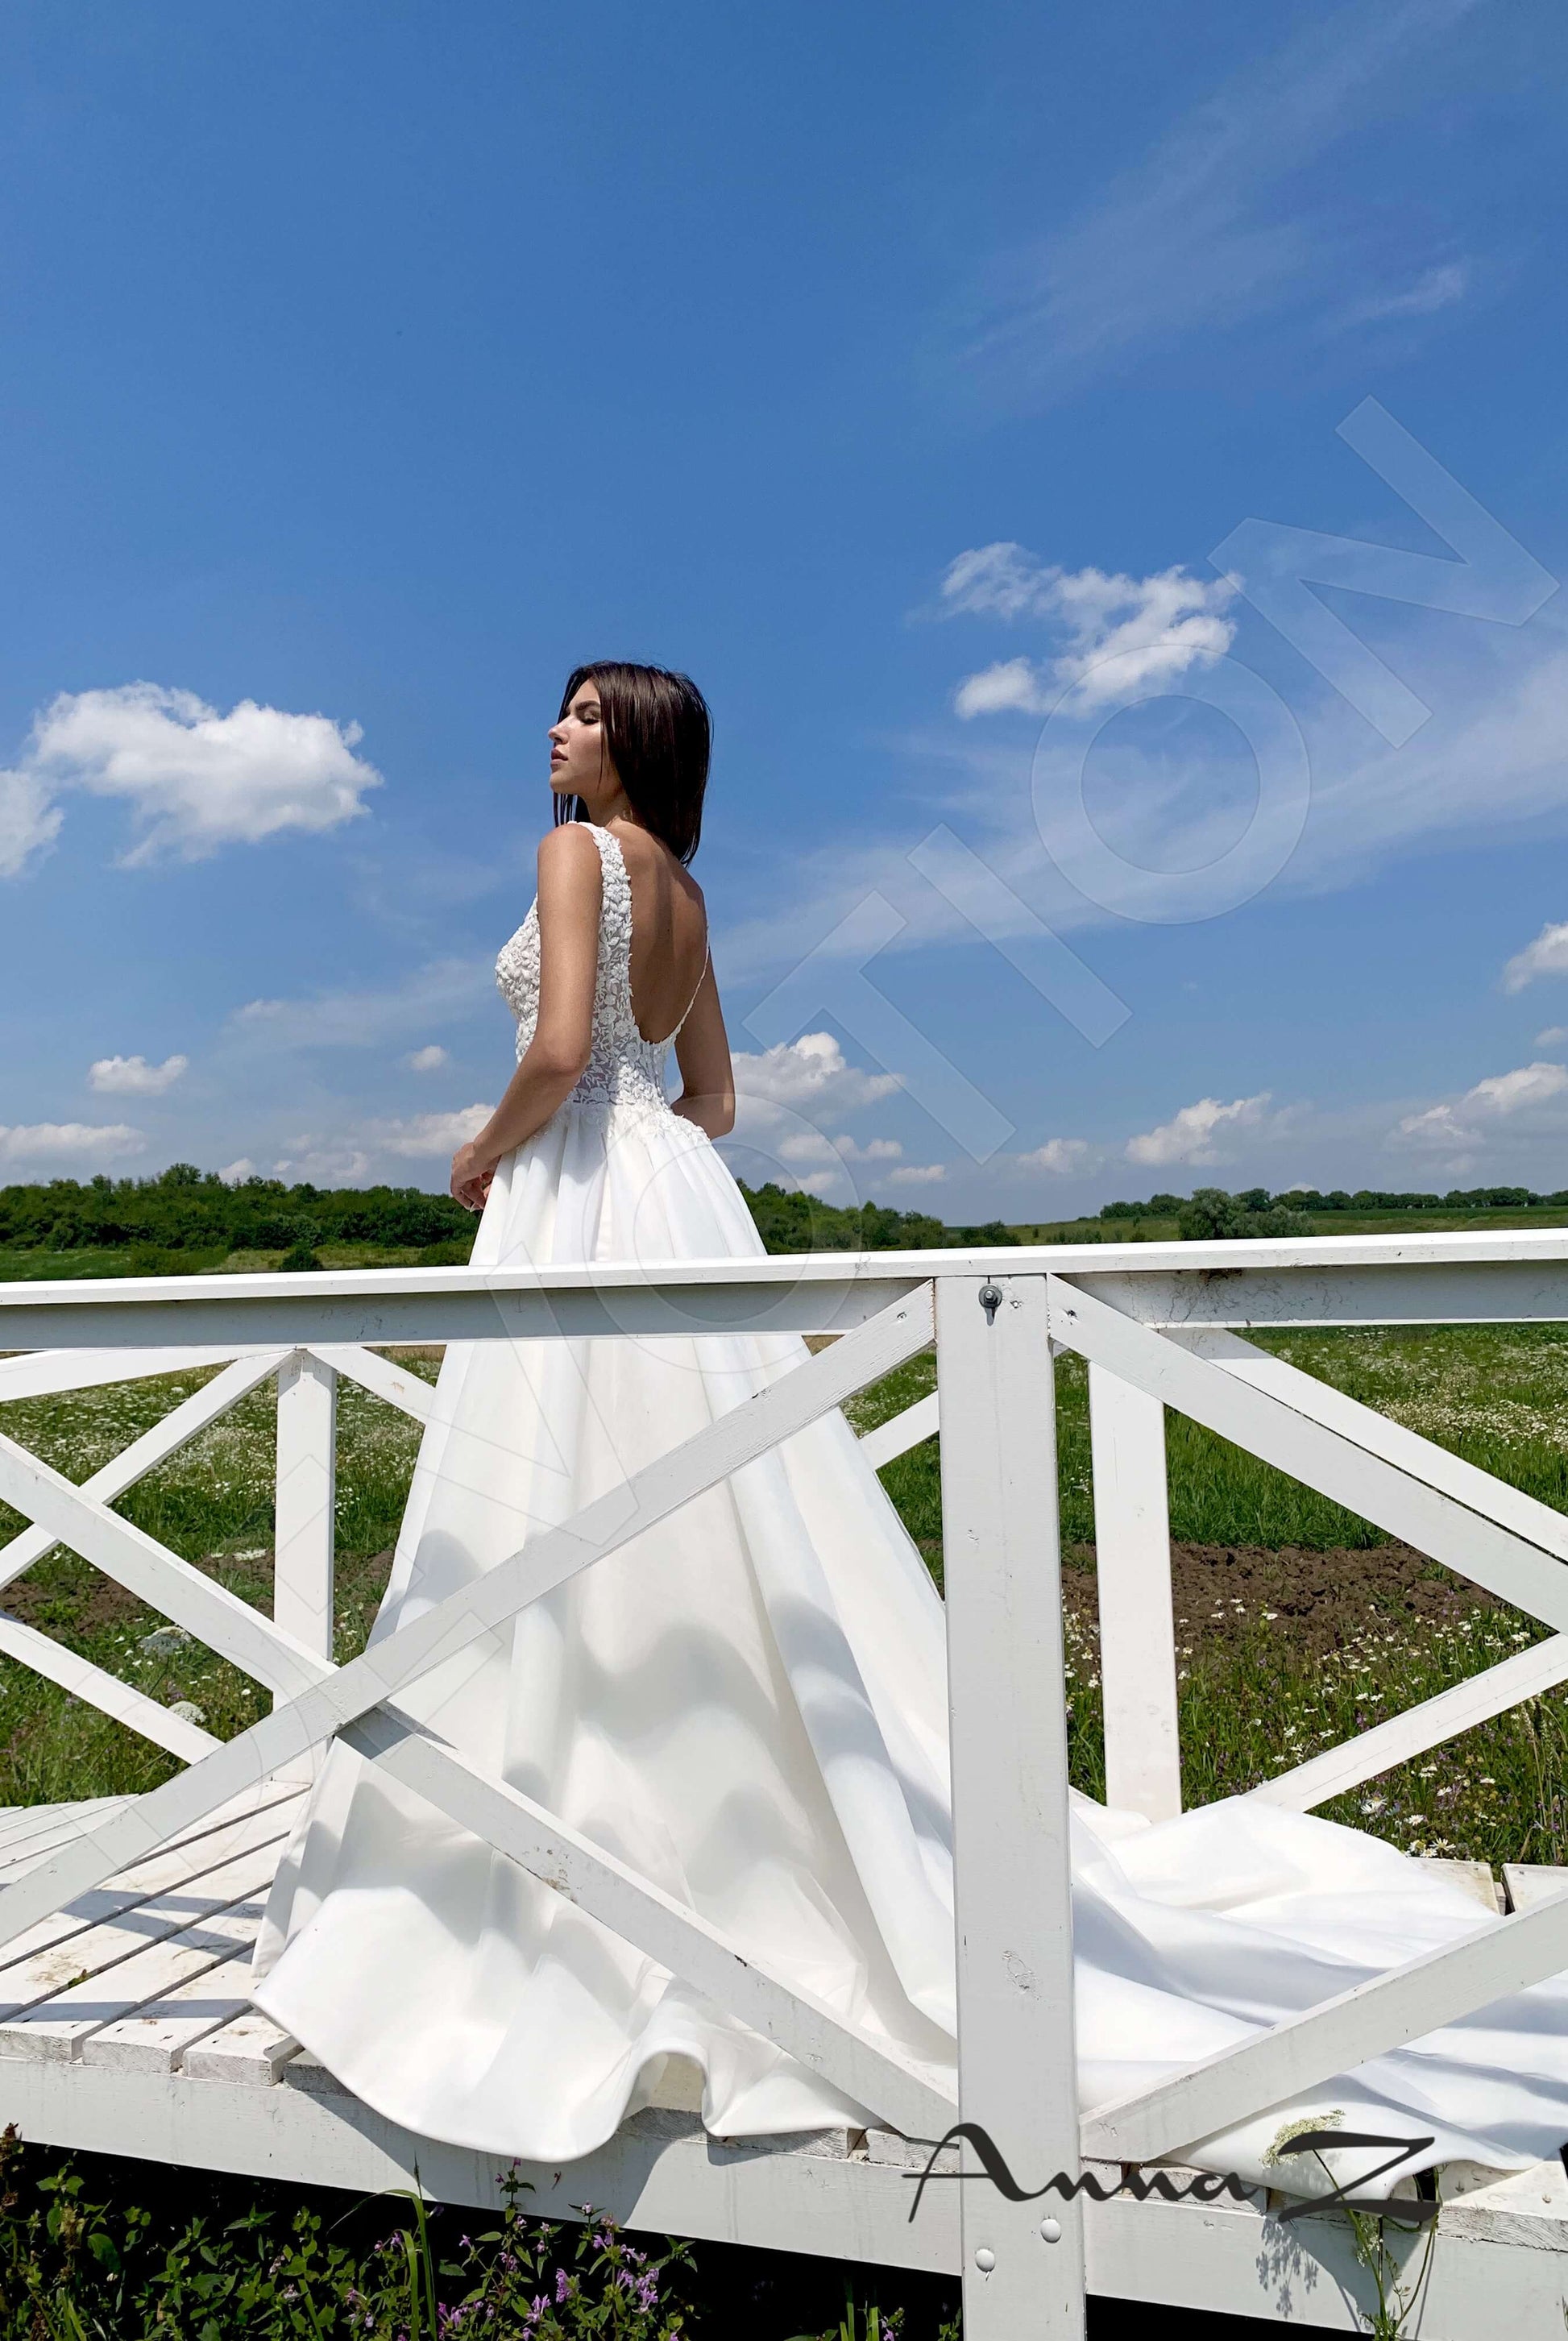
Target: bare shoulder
568, 848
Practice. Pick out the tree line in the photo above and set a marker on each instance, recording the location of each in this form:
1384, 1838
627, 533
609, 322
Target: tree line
194, 1217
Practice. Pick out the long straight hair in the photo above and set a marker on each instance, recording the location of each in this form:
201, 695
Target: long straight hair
659, 735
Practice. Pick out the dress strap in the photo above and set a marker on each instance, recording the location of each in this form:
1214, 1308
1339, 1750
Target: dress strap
706, 956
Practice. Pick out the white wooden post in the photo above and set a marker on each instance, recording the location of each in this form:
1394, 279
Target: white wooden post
1023, 2263
1133, 1564
303, 1537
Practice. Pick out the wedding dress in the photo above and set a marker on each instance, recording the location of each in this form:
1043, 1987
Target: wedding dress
747, 1704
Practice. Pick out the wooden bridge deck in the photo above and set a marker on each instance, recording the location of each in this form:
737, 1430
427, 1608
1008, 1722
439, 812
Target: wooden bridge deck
126, 2027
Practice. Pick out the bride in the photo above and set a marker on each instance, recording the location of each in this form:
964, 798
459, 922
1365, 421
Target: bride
747, 1703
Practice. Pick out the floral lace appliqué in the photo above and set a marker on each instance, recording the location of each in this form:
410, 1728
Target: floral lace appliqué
625, 1073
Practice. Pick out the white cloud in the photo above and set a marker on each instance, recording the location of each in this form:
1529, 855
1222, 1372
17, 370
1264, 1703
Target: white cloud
1060, 1156
428, 1135
323, 1163
134, 1077
194, 780
1547, 955
234, 1173
1120, 634
73, 1142
917, 1174
815, 1146
1553, 1038
1497, 1097
29, 821
1190, 1135
427, 1060
1435, 288
809, 1071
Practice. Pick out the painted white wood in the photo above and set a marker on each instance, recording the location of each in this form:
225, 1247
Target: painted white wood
44, 1373
1380, 1491
1324, 1289
1133, 1572
27, 1829
1296, 2056
305, 1518
1529, 1884
177, 1429
917, 1424
340, 1696
1528, 1673
248, 2052
155, 2039
102, 1689
877, 2074
154, 1574
58, 2022
1001, 1569
1472, 1878
382, 1376
1424, 1459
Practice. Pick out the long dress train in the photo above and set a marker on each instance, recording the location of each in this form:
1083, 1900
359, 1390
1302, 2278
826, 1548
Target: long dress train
747, 1704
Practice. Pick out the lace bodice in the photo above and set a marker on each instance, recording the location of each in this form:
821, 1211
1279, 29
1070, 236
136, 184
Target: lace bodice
624, 1071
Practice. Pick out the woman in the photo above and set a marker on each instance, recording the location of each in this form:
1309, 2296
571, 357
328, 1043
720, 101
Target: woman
747, 1704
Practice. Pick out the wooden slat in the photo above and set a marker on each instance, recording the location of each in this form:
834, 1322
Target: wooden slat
1132, 1574
663, 1487
917, 1424
158, 2036
102, 1690
1380, 1491
382, 1376
57, 2019
248, 2052
1294, 2057
47, 1373
1338, 1770
1529, 1884
305, 1513
176, 1429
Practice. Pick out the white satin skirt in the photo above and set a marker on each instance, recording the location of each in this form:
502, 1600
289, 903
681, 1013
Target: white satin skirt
747, 1705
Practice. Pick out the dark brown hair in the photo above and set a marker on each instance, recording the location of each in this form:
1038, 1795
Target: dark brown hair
659, 735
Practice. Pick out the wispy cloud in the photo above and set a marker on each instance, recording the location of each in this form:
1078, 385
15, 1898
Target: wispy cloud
80, 1144
360, 1019
1119, 633
429, 1059
1435, 288
1197, 235
1462, 1121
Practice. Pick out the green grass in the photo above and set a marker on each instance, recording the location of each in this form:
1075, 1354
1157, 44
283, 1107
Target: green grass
1253, 1699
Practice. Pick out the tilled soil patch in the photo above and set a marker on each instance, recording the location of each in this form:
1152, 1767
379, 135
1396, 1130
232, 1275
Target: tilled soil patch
1319, 1600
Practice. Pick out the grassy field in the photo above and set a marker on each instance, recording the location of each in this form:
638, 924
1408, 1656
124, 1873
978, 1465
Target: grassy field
1298, 1626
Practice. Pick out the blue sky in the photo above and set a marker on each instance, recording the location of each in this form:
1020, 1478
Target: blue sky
897, 371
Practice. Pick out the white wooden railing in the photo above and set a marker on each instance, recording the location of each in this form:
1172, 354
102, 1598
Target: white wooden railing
1159, 1325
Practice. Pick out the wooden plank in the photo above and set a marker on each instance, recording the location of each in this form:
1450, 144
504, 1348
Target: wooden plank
340, 1695
1364, 1482
1294, 2057
1017, 2063
102, 1690
176, 1429
382, 1376
917, 1424
46, 1373
1527, 1885
1132, 1572
154, 1574
1472, 1878
158, 2036
1424, 1459
1338, 1770
243, 1821
26, 1841
877, 2074
248, 2052
56, 2024
305, 1516
49, 2002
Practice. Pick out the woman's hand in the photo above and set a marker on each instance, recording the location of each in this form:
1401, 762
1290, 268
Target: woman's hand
472, 1174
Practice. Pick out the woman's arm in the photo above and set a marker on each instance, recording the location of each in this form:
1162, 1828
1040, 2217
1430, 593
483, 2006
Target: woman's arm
570, 881
702, 1053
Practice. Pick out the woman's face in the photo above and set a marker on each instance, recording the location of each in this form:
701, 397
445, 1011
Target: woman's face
580, 763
